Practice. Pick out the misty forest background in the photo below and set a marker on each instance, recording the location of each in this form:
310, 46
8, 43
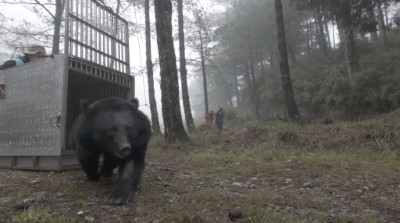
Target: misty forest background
343, 56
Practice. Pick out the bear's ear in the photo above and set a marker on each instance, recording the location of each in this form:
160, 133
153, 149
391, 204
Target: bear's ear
84, 105
135, 102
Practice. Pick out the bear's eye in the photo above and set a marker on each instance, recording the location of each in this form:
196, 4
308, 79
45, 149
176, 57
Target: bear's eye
111, 131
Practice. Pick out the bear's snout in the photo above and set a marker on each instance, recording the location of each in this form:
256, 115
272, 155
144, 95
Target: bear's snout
122, 147
125, 149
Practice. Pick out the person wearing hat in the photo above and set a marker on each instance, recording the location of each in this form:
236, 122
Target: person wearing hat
31, 54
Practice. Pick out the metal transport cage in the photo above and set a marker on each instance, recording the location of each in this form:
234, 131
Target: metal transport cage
42, 97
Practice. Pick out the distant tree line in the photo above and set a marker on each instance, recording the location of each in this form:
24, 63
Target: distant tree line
342, 56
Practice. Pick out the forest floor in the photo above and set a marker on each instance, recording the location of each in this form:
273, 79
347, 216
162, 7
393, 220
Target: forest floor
267, 172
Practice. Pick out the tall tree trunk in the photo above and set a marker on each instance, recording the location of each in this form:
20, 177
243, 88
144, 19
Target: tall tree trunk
291, 45
150, 78
254, 91
328, 36
318, 38
350, 51
173, 125
346, 23
321, 34
203, 69
185, 91
386, 6
381, 22
57, 26
308, 37
312, 34
237, 91
247, 78
333, 36
284, 65
372, 17
252, 87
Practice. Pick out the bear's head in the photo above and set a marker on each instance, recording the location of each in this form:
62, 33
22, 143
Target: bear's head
113, 125
119, 133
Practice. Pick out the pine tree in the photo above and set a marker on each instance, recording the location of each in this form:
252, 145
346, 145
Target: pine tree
173, 125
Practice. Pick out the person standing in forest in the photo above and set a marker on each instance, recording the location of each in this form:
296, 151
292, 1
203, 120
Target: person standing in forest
209, 118
219, 118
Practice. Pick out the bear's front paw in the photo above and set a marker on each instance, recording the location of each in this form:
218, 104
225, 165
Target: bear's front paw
93, 178
120, 197
106, 174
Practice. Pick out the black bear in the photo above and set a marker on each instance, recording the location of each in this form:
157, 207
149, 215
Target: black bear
116, 129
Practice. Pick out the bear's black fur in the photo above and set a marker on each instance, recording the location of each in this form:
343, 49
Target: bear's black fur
116, 129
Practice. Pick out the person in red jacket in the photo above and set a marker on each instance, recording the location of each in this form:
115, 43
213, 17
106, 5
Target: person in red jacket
209, 118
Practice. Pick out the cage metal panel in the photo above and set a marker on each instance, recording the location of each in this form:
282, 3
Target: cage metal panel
97, 34
33, 101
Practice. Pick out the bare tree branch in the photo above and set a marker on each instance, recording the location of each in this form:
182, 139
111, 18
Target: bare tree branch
45, 8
